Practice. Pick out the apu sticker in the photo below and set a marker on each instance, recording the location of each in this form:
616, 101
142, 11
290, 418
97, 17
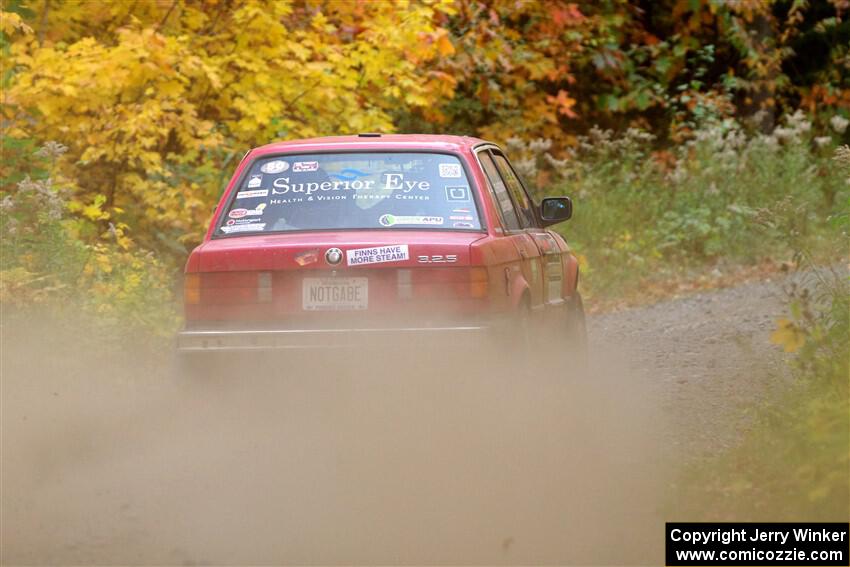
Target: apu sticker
457, 193
377, 255
450, 170
390, 220
276, 166
300, 166
251, 194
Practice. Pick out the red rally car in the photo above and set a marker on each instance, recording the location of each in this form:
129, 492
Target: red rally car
349, 240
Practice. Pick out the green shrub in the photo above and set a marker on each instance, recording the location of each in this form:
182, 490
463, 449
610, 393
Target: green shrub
724, 197
67, 262
794, 464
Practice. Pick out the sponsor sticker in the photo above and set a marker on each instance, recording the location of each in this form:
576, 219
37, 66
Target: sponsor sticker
307, 257
463, 225
243, 227
239, 213
450, 170
457, 193
461, 217
391, 220
349, 174
231, 222
378, 255
300, 166
252, 194
461, 211
255, 181
276, 166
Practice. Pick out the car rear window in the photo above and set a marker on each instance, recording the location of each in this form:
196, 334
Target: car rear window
352, 191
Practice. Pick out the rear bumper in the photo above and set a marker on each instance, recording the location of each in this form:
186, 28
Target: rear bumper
294, 339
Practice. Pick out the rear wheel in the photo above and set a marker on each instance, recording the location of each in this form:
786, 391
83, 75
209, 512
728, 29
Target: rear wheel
576, 335
513, 341
525, 333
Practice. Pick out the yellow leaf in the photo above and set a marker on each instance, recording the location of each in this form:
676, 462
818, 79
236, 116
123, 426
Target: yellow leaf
788, 336
10, 21
444, 46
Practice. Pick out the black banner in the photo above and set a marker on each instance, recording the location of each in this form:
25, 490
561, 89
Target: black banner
742, 544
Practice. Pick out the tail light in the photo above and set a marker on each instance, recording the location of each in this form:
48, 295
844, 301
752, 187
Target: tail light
264, 287
442, 283
404, 280
221, 288
479, 283
192, 289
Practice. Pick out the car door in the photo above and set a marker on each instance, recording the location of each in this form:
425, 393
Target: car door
516, 222
548, 251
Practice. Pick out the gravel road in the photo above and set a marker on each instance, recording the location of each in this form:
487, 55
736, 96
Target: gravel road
704, 358
110, 456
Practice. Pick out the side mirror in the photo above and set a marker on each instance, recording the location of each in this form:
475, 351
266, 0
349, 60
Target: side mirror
555, 209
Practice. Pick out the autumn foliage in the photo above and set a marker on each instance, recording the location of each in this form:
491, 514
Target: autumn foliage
153, 102
156, 104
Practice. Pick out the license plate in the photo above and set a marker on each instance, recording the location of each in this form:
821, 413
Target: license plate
335, 294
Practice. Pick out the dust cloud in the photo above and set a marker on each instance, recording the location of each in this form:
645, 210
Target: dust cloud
113, 453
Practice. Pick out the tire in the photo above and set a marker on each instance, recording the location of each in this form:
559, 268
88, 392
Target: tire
576, 336
512, 346
525, 333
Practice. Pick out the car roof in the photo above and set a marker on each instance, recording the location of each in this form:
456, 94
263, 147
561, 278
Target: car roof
375, 142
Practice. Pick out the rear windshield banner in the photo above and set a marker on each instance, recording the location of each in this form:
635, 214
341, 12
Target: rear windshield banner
353, 191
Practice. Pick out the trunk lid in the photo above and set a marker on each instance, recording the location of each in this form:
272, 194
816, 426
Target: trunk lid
276, 252
395, 277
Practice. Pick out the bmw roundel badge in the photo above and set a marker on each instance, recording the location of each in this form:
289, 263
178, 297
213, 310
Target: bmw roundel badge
333, 256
